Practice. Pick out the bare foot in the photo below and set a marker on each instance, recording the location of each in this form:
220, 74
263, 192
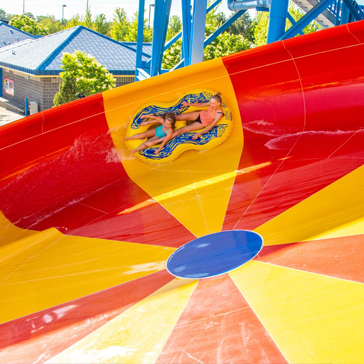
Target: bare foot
126, 138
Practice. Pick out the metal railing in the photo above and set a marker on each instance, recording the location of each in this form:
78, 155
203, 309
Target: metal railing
336, 7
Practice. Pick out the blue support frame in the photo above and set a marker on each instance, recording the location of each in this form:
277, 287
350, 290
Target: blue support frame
277, 19
293, 22
140, 36
223, 27
193, 27
353, 10
345, 14
160, 25
306, 19
198, 30
186, 31
2, 82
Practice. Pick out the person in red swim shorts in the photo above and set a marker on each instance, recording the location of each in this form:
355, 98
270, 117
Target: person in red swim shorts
205, 119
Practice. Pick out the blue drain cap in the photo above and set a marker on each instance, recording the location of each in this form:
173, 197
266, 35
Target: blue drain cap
214, 254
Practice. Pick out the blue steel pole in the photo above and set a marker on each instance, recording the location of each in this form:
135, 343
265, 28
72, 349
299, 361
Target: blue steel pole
306, 19
198, 31
2, 82
345, 14
162, 10
186, 31
140, 36
277, 19
293, 22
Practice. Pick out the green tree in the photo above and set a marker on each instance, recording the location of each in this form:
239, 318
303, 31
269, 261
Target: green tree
88, 19
243, 26
220, 17
261, 28
2, 14
28, 25
120, 25
29, 15
88, 76
67, 92
214, 19
50, 23
39, 18
74, 21
172, 55
224, 45
133, 30
101, 25
174, 27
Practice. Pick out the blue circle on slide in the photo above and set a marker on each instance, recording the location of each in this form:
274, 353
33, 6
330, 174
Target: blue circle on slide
214, 254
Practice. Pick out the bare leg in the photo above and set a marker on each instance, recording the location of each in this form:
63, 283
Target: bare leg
194, 126
153, 140
188, 116
149, 133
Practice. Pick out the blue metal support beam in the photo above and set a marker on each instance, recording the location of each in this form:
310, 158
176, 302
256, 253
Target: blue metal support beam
2, 82
338, 7
277, 19
140, 35
353, 10
223, 27
293, 22
345, 14
186, 31
198, 31
248, 4
306, 19
214, 35
161, 19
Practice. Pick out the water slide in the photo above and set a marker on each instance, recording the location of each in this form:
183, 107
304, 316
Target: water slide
249, 252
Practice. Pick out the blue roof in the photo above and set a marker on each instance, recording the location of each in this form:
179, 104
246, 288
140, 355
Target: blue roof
147, 47
43, 56
10, 35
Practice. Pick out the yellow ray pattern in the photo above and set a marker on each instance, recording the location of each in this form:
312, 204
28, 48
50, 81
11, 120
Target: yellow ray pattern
48, 268
139, 334
312, 318
205, 178
335, 211
10, 233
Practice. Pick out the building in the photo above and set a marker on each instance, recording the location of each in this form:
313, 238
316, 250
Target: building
10, 35
30, 69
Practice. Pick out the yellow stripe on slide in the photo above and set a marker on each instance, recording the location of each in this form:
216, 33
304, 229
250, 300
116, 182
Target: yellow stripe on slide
55, 269
312, 318
204, 179
10, 233
139, 334
335, 211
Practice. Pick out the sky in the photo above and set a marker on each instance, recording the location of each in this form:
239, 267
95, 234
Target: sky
73, 7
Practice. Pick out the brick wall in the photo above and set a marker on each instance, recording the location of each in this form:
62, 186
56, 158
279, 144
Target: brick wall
50, 88
40, 89
23, 88
120, 81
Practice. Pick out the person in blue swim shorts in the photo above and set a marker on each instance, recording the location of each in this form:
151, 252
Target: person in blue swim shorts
161, 134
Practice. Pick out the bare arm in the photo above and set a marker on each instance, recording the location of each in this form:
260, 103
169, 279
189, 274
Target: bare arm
166, 139
155, 119
201, 104
208, 128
